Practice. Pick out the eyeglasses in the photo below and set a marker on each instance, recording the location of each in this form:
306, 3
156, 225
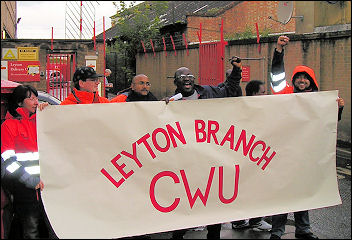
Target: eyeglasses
32, 98
93, 79
142, 83
184, 77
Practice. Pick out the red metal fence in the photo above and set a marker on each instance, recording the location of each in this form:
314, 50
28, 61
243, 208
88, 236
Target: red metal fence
211, 59
59, 68
211, 63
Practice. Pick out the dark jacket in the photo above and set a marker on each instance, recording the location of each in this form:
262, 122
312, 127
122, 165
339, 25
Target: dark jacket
230, 88
131, 96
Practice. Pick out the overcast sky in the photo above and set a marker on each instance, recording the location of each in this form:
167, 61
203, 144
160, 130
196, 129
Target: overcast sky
37, 18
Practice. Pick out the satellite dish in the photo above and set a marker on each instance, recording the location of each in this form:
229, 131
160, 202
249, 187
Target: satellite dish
284, 11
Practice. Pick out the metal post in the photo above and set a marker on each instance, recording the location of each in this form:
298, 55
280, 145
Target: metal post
80, 21
115, 81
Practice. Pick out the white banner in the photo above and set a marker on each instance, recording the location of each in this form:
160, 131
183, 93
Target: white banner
125, 169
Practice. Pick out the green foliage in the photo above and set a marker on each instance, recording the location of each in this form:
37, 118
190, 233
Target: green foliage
212, 11
136, 23
248, 33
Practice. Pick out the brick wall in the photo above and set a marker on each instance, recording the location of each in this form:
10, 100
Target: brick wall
328, 54
236, 19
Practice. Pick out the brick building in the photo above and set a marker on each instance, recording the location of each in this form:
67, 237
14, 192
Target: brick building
239, 16
9, 19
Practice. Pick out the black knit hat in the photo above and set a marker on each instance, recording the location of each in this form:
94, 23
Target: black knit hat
83, 73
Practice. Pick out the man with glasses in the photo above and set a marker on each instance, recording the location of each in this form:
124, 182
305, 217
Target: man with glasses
139, 91
86, 82
184, 81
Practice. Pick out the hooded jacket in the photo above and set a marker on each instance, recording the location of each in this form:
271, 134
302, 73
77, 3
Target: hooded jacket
278, 81
83, 97
19, 153
311, 76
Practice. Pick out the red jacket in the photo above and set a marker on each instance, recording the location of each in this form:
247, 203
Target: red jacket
83, 97
19, 153
119, 98
19, 135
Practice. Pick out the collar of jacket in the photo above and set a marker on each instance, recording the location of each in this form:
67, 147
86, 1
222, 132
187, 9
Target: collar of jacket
82, 96
133, 96
24, 114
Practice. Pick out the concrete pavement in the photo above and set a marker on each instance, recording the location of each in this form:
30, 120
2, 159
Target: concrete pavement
228, 233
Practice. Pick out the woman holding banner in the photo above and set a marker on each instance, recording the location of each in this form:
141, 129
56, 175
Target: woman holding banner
19, 153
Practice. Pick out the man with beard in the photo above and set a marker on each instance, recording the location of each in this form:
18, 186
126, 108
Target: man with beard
303, 81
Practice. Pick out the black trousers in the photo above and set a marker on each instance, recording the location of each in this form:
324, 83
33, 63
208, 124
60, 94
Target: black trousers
213, 232
33, 221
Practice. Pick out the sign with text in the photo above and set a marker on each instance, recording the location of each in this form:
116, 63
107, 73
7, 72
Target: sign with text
23, 71
28, 53
186, 164
246, 73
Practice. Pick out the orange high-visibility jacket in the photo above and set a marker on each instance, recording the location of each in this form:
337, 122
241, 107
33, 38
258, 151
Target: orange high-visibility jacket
83, 97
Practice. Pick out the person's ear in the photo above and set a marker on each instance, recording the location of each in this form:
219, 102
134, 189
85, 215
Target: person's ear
80, 83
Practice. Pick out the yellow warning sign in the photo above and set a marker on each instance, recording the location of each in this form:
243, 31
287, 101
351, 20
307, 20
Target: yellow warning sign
9, 53
28, 53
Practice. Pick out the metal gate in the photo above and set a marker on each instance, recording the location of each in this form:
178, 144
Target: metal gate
211, 63
59, 68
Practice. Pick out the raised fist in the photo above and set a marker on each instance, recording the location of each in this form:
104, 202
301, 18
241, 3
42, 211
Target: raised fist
281, 42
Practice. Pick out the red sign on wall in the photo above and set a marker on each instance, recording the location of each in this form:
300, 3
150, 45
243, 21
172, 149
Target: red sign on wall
23, 71
246, 77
